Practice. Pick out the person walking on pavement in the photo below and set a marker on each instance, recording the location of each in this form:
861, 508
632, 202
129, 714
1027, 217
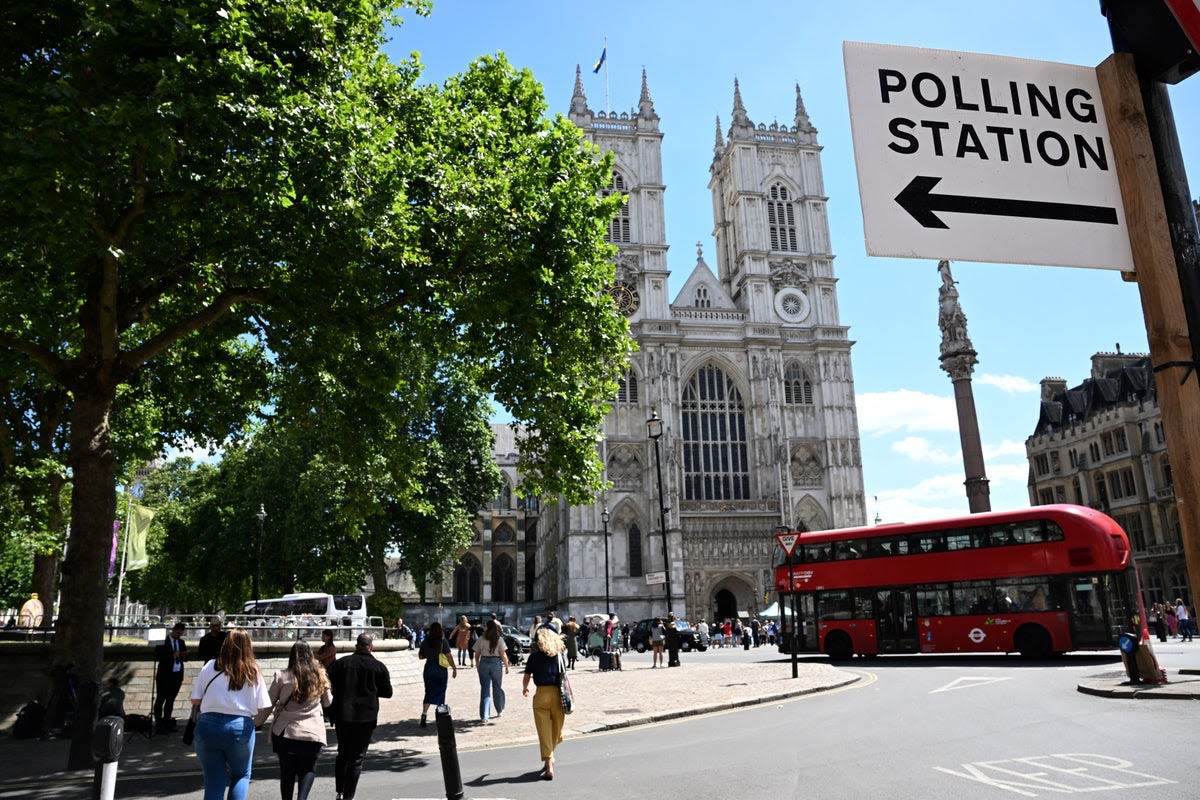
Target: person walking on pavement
544, 668
358, 682
233, 700
658, 638
435, 650
1183, 619
299, 694
327, 652
210, 643
491, 659
170, 656
673, 641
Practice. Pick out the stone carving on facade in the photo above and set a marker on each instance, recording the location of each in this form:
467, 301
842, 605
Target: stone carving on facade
625, 468
806, 466
789, 272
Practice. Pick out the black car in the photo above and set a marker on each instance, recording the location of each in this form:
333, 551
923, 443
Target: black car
639, 637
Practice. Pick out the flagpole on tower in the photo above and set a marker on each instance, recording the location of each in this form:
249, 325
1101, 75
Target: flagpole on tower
602, 61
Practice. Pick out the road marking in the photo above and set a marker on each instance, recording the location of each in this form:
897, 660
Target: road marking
1061, 773
967, 683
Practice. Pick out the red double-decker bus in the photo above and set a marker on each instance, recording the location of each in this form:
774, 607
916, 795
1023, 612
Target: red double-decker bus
1037, 581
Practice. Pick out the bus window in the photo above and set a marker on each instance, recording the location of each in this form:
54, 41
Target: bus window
958, 540
973, 597
1030, 594
933, 601
836, 605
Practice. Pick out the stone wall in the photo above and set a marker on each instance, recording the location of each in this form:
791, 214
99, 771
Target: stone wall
24, 672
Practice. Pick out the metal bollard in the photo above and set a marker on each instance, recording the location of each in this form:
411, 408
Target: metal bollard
108, 739
451, 774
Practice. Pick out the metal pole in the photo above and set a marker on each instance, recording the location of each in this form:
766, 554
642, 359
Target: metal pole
448, 748
662, 519
795, 617
607, 599
262, 518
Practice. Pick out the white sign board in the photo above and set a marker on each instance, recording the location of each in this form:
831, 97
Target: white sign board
975, 157
656, 578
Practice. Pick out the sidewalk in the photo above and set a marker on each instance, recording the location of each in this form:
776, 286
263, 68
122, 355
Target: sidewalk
1183, 684
636, 695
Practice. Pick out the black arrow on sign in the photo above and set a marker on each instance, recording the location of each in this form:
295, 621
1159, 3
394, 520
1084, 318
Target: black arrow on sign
919, 200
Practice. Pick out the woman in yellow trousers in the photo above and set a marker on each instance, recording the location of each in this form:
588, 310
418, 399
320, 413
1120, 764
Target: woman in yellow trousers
542, 667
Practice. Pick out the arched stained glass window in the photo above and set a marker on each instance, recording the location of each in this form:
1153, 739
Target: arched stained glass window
715, 454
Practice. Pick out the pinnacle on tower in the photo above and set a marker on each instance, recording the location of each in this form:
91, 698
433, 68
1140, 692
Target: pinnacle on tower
578, 100
802, 121
741, 122
645, 104
720, 141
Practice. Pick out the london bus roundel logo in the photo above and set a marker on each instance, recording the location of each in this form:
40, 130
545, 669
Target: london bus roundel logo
976, 635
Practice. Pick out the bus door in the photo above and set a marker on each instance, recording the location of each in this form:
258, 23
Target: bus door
1090, 600
896, 621
805, 623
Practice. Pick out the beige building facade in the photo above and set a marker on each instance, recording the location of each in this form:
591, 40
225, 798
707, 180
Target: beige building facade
1101, 444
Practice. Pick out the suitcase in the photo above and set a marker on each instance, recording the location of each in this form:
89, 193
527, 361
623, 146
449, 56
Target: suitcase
606, 661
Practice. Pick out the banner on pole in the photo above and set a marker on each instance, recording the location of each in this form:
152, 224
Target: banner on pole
139, 526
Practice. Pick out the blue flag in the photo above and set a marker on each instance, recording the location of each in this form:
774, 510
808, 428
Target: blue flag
600, 61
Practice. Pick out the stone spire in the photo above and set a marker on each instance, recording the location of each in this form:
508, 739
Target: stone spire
720, 142
802, 121
645, 104
578, 100
742, 127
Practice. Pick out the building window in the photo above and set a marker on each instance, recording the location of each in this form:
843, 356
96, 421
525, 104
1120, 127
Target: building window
627, 388
1168, 477
1094, 450
503, 501
1045, 497
635, 551
1041, 464
618, 227
1119, 441
1106, 439
1137, 534
701, 299
503, 580
797, 388
781, 218
1073, 457
1158, 432
1078, 489
468, 579
715, 459
530, 505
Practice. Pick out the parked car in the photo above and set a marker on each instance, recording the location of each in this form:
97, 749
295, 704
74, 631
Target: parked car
521, 637
639, 637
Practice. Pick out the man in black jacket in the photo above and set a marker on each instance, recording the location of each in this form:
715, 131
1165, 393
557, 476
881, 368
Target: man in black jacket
210, 643
357, 681
170, 656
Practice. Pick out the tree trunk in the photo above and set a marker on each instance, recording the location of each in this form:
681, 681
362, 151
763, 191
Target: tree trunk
79, 636
45, 565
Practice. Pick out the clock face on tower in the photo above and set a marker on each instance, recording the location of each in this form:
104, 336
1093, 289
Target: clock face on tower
626, 297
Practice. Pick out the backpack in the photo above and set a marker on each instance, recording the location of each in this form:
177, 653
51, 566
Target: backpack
29, 721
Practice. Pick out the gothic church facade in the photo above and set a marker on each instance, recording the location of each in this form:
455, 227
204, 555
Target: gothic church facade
747, 368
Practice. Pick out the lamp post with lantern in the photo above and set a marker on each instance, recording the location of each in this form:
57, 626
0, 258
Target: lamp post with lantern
607, 599
654, 430
261, 515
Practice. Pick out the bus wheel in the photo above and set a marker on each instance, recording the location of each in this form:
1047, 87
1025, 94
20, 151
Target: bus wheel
838, 646
1032, 641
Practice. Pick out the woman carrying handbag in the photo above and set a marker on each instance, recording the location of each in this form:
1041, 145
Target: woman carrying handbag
232, 697
299, 695
544, 668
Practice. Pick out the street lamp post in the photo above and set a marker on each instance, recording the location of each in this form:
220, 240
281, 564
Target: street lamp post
607, 600
654, 429
262, 521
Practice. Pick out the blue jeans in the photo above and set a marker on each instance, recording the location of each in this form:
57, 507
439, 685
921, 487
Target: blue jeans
491, 673
225, 749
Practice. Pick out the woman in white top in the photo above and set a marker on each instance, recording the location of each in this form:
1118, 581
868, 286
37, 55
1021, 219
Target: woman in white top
492, 658
232, 697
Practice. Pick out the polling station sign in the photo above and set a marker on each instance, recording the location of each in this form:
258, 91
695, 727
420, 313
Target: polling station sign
977, 157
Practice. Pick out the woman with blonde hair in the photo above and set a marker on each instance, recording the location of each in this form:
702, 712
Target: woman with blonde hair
232, 696
544, 667
299, 695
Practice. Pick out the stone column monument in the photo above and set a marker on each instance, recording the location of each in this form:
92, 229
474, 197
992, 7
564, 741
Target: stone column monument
958, 360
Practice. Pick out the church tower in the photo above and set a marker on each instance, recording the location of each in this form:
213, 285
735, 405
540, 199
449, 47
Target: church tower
748, 370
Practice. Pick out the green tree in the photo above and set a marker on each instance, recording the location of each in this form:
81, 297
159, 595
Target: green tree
185, 185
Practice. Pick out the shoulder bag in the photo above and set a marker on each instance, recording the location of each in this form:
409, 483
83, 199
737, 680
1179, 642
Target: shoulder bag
189, 730
564, 687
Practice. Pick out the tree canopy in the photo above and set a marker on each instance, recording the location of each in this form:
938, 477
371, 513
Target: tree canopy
216, 204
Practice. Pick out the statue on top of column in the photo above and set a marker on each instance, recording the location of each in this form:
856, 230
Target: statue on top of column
951, 319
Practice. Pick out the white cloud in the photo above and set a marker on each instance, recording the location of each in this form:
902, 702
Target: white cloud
1006, 448
1011, 384
923, 451
905, 410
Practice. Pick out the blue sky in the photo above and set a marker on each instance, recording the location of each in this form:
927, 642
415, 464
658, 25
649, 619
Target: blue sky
1026, 322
